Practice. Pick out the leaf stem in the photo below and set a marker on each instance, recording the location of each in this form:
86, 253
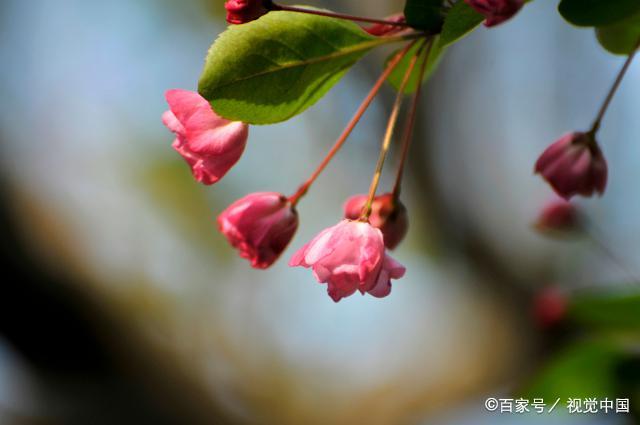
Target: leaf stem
612, 91
275, 6
302, 190
410, 123
386, 141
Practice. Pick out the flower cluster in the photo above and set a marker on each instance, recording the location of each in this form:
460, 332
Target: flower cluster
349, 256
352, 255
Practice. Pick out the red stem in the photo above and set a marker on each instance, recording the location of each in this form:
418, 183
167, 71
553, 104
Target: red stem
612, 91
409, 125
351, 125
386, 142
336, 15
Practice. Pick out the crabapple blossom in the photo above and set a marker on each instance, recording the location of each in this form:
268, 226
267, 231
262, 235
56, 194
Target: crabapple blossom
210, 144
350, 257
574, 165
259, 226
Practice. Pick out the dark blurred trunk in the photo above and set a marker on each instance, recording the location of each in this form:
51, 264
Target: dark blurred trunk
92, 367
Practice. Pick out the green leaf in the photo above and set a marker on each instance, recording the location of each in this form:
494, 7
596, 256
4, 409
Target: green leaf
617, 311
597, 13
620, 38
435, 55
460, 21
275, 67
585, 369
425, 15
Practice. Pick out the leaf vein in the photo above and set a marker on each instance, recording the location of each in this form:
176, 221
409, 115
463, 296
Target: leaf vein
287, 65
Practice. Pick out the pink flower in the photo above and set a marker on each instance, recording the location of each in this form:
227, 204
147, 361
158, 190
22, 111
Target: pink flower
260, 226
210, 144
558, 216
386, 214
574, 165
243, 11
386, 29
496, 11
350, 256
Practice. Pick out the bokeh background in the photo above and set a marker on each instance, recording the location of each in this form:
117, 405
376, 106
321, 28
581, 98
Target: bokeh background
123, 304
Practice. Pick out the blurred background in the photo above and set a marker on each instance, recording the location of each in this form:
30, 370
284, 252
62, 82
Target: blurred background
121, 303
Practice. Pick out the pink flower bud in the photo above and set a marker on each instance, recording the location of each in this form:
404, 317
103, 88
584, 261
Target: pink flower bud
210, 144
350, 256
386, 214
496, 11
243, 11
260, 226
386, 29
558, 216
549, 307
574, 165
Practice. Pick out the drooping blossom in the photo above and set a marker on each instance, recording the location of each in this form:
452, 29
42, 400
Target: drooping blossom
496, 11
558, 216
386, 29
259, 226
243, 11
350, 257
574, 165
210, 144
387, 214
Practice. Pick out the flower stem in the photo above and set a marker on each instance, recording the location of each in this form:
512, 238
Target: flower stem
602, 246
612, 91
386, 141
302, 190
336, 15
409, 125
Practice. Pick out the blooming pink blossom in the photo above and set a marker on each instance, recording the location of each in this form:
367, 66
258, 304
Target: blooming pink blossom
260, 226
558, 216
243, 11
387, 214
496, 11
574, 165
350, 256
210, 144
